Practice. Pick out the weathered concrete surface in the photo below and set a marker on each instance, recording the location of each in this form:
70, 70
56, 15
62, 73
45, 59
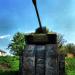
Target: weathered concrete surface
41, 56
29, 61
61, 61
40, 60
51, 60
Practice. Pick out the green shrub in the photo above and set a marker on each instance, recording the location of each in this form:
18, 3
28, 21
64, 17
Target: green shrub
9, 63
70, 66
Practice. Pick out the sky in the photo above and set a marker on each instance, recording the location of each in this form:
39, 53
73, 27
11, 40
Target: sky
20, 16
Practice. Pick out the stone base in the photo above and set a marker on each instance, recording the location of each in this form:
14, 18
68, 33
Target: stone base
41, 57
40, 60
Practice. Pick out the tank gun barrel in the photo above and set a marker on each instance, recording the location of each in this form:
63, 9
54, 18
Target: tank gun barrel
35, 5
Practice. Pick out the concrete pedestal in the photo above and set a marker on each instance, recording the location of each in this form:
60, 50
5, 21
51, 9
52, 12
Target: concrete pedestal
40, 56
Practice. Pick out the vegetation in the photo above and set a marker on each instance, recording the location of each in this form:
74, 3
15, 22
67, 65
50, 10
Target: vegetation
9, 65
17, 44
70, 48
70, 66
60, 43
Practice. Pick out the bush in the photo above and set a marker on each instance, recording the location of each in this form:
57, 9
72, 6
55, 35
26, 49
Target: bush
9, 63
70, 66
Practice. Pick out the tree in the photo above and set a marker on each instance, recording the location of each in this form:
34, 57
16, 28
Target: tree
60, 41
70, 48
17, 44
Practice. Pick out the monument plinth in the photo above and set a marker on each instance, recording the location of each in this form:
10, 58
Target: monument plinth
40, 56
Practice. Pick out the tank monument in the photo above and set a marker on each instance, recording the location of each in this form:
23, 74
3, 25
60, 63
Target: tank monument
41, 56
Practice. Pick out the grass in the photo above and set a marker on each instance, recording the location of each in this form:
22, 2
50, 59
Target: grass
70, 66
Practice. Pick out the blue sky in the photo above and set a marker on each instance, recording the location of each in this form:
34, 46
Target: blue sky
20, 16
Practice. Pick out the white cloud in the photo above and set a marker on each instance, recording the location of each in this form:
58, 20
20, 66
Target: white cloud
4, 36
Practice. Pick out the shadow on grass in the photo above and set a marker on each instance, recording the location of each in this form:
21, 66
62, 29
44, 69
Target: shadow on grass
9, 73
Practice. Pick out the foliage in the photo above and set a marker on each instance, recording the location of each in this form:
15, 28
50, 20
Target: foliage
60, 40
17, 44
70, 48
70, 66
60, 43
9, 63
